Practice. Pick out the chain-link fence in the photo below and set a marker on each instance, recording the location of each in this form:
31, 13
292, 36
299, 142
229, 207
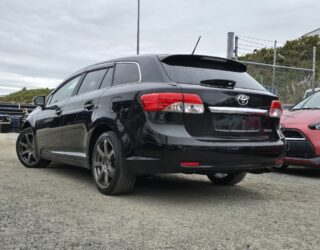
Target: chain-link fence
289, 83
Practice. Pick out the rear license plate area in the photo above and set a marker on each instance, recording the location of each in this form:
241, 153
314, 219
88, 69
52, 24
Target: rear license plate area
236, 123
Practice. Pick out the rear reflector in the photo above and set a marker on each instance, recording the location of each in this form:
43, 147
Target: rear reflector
279, 161
275, 109
172, 102
189, 164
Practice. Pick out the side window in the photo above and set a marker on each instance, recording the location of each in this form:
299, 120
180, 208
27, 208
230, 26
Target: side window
65, 91
92, 81
126, 73
107, 80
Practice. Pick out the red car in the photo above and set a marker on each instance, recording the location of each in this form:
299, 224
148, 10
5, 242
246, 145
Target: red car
301, 127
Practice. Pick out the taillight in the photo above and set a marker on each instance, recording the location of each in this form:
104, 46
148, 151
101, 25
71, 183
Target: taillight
172, 102
275, 109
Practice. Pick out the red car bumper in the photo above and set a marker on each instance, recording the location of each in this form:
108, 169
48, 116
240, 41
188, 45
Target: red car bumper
309, 162
303, 146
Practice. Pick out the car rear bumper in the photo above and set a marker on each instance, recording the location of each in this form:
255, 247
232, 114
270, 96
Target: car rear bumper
211, 156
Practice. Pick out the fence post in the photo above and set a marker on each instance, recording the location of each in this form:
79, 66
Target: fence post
274, 65
314, 69
230, 45
138, 29
236, 41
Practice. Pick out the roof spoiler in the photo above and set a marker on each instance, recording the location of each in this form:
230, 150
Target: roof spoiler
200, 61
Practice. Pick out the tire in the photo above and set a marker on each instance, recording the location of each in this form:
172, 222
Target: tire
26, 150
226, 179
108, 167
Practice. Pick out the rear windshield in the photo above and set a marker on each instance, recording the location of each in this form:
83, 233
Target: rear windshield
194, 75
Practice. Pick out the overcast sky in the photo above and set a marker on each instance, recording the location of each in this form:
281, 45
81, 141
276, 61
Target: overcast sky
42, 42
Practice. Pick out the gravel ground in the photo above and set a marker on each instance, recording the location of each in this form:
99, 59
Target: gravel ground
59, 208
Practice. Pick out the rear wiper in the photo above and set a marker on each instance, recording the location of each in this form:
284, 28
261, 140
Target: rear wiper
219, 83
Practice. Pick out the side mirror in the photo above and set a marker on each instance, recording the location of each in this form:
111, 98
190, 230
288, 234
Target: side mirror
39, 101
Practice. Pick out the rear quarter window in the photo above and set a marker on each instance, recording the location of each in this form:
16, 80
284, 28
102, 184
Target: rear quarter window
126, 73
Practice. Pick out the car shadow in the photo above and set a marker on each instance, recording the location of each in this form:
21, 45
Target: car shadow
75, 173
300, 171
177, 188
183, 189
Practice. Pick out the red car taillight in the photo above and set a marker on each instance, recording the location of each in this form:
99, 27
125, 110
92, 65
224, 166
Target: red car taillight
275, 109
172, 102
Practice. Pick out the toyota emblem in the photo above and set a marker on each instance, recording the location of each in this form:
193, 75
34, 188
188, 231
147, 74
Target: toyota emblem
243, 99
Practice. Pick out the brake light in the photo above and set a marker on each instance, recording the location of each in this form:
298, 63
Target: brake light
172, 102
275, 109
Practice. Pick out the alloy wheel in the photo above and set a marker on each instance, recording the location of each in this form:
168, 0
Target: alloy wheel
104, 160
26, 148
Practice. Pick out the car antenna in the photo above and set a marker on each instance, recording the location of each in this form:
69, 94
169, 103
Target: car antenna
195, 47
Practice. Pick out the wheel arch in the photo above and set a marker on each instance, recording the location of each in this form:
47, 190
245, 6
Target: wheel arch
105, 125
29, 122
25, 125
93, 136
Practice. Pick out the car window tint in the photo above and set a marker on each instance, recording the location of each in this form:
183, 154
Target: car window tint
126, 73
107, 80
194, 75
65, 91
92, 81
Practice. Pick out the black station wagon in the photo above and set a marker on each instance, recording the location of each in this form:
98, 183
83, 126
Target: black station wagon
150, 114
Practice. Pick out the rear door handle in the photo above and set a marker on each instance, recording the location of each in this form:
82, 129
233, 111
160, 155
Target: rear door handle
58, 111
89, 105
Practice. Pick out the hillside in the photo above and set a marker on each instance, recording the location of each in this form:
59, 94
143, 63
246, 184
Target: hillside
296, 53
24, 95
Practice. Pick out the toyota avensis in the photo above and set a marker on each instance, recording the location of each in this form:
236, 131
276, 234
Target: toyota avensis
151, 114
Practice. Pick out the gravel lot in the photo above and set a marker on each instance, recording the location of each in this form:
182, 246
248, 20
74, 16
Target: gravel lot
59, 208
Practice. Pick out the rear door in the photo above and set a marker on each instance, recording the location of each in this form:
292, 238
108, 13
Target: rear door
236, 106
79, 110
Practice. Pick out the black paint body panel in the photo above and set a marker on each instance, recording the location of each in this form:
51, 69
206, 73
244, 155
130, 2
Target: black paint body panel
154, 142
